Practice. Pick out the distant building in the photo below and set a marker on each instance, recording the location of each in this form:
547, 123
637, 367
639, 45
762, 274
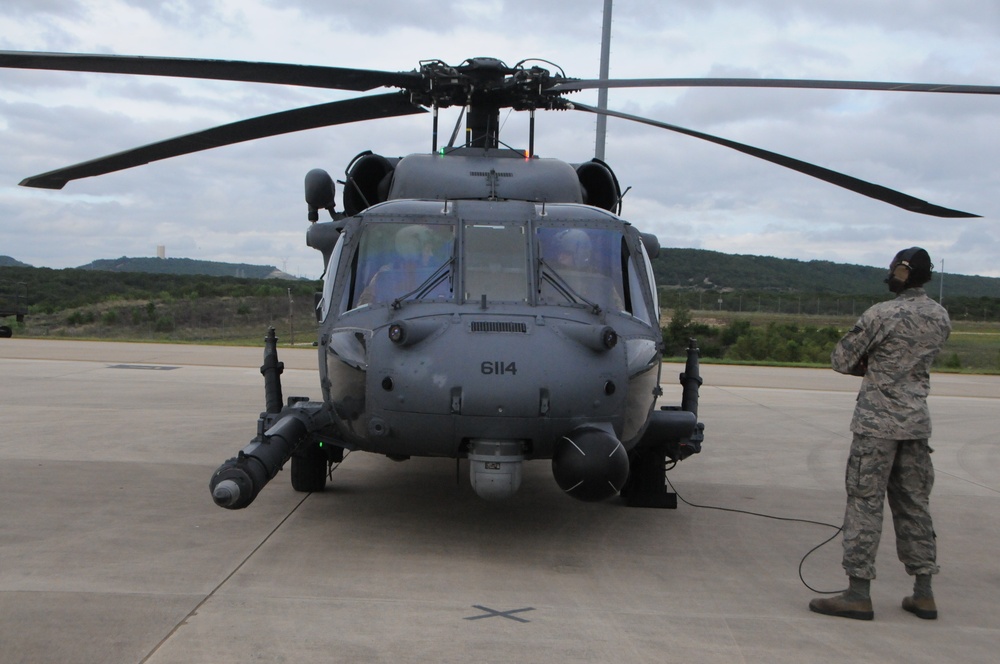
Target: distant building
161, 251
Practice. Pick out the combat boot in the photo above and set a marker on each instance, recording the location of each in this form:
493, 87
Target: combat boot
921, 602
855, 602
921, 607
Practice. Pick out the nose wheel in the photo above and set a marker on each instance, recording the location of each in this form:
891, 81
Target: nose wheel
647, 481
310, 466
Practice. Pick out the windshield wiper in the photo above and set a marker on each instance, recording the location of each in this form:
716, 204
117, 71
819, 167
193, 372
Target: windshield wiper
556, 280
428, 284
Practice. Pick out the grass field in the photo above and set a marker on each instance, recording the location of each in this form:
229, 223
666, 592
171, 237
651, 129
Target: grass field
974, 347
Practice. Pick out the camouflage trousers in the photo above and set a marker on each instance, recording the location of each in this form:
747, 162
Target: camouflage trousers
901, 470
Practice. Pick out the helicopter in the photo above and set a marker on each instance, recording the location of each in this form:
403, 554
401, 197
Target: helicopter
479, 301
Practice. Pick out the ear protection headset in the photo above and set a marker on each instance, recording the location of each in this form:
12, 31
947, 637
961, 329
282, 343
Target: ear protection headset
897, 278
901, 269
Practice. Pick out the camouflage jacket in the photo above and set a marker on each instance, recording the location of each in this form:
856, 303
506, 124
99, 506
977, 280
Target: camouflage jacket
893, 345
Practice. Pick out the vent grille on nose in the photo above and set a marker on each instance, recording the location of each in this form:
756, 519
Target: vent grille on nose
499, 326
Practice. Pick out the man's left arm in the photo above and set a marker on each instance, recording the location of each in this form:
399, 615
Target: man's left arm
850, 355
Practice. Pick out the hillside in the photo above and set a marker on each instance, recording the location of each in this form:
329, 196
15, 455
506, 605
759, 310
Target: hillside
694, 272
715, 271
186, 266
7, 261
737, 306
50, 291
99, 304
709, 271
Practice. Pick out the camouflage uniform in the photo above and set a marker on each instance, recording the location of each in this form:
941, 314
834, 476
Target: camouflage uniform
892, 345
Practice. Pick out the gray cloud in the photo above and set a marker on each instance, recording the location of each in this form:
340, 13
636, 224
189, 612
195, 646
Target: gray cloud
247, 198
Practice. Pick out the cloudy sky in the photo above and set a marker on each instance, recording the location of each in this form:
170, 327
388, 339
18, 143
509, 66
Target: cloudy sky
244, 203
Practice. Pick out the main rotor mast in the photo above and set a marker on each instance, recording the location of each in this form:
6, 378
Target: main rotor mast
484, 86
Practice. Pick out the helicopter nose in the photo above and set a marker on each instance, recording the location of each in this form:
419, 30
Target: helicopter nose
590, 463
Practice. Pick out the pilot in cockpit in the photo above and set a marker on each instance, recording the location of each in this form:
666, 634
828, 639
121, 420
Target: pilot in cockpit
570, 253
572, 249
420, 250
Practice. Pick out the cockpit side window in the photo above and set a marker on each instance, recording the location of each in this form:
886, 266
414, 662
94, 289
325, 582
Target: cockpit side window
330, 278
651, 280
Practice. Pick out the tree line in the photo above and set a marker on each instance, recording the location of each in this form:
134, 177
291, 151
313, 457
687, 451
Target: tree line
50, 290
712, 271
803, 303
101, 304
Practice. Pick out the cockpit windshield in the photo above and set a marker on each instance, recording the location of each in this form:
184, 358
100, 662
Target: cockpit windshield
562, 262
496, 262
581, 265
402, 261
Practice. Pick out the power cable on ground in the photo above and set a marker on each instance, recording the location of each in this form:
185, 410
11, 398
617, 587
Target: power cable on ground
838, 529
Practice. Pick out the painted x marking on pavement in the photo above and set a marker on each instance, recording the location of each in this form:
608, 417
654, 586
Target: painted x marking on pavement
493, 613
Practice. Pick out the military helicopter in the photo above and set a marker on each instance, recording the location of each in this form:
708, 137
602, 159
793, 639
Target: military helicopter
480, 302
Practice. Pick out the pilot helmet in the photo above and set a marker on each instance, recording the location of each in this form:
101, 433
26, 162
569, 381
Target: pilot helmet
575, 243
411, 241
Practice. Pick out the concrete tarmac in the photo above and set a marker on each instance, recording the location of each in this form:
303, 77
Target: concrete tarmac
111, 549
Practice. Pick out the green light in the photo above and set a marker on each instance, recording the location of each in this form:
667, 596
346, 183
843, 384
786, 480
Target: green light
441, 152
321, 443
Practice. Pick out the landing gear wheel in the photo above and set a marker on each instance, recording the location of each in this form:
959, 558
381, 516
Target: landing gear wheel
309, 467
6, 332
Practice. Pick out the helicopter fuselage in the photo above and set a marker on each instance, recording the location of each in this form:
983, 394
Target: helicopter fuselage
492, 351
475, 306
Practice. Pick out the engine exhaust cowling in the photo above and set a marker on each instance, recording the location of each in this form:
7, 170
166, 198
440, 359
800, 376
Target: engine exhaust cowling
590, 463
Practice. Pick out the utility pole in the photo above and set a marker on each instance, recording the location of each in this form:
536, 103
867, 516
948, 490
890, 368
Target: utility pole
602, 93
291, 313
941, 285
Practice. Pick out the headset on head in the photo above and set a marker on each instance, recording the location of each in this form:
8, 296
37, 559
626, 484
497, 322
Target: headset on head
901, 270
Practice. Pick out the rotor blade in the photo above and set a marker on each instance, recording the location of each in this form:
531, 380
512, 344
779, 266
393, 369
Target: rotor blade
310, 117
772, 83
876, 191
336, 78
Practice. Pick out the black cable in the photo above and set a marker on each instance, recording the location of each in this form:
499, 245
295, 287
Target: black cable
331, 466
839, 529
